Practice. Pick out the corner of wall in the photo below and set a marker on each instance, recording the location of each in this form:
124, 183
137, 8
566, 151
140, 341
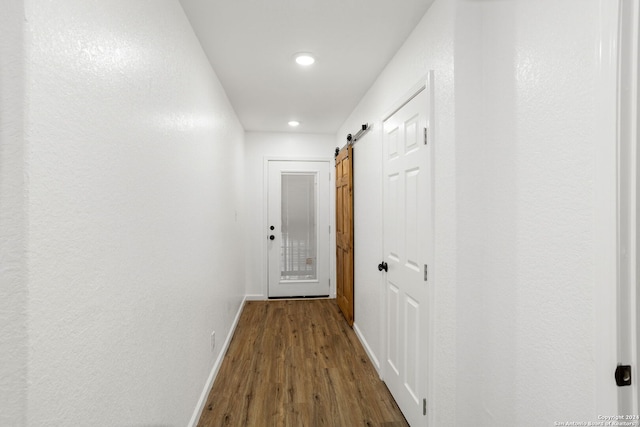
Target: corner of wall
13, 277
197, 413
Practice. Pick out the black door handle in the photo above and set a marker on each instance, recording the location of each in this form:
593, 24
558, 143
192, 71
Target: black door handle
383, 266
272, 237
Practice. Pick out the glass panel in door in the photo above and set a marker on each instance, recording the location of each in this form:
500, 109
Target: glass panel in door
299, 231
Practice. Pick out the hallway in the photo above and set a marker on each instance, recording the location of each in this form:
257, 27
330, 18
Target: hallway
297, 363
134, 210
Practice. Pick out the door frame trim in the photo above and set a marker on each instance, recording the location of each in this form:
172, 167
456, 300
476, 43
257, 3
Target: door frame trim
606, 281
628, 103
265, 218
427, 83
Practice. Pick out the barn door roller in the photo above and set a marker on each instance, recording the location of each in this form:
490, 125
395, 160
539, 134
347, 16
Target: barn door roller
353, 138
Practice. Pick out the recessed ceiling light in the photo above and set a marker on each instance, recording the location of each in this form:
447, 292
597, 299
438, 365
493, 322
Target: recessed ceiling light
304, 59
294, 123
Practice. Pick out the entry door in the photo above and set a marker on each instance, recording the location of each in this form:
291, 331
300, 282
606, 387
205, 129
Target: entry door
344, 232
298, 228
408, 236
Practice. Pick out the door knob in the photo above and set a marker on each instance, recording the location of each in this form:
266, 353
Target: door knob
272, 228
383, 266
272, 237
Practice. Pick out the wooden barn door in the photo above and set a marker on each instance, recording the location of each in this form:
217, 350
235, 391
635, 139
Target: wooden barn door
344, 232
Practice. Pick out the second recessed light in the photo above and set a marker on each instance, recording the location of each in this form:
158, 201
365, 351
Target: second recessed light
304, 59
294, 123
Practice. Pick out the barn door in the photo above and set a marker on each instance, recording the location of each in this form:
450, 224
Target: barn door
344, 232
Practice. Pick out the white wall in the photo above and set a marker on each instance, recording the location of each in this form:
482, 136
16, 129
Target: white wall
516, 126
258, 147
525, 210
134, 162
13, 285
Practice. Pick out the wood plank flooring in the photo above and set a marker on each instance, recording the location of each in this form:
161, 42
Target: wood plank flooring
297, 363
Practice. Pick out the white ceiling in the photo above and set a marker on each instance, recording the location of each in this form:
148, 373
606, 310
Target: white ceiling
251, 44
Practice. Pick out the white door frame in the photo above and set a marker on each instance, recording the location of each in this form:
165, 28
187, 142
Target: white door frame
425, 83
265, 218
627, 192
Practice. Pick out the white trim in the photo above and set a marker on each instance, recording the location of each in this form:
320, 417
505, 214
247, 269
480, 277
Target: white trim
627, 187
408, 96
255, 297
214, 370
296, 159
431, 294
367, 348
382, 319
605, 212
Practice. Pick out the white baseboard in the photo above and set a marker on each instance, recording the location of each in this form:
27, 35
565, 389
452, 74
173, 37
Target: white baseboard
370, 352
216, 367
256, 297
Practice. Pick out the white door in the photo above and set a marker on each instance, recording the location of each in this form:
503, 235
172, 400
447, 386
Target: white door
298, 228
408, 240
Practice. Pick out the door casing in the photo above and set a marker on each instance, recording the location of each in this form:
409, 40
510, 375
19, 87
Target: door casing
628, 319
265, 219
424, 84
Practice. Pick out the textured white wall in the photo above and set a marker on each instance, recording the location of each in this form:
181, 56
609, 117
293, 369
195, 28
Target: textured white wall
13, 285
525, 209
515, 140
261, 145
135, 167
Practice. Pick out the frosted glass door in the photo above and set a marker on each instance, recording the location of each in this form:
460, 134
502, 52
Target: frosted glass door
299, 232
298, 228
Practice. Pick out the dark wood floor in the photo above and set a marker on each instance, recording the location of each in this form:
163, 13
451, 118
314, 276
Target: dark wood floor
297, 363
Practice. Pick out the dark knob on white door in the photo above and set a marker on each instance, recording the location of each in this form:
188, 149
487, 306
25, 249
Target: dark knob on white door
383, 266
272, 237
